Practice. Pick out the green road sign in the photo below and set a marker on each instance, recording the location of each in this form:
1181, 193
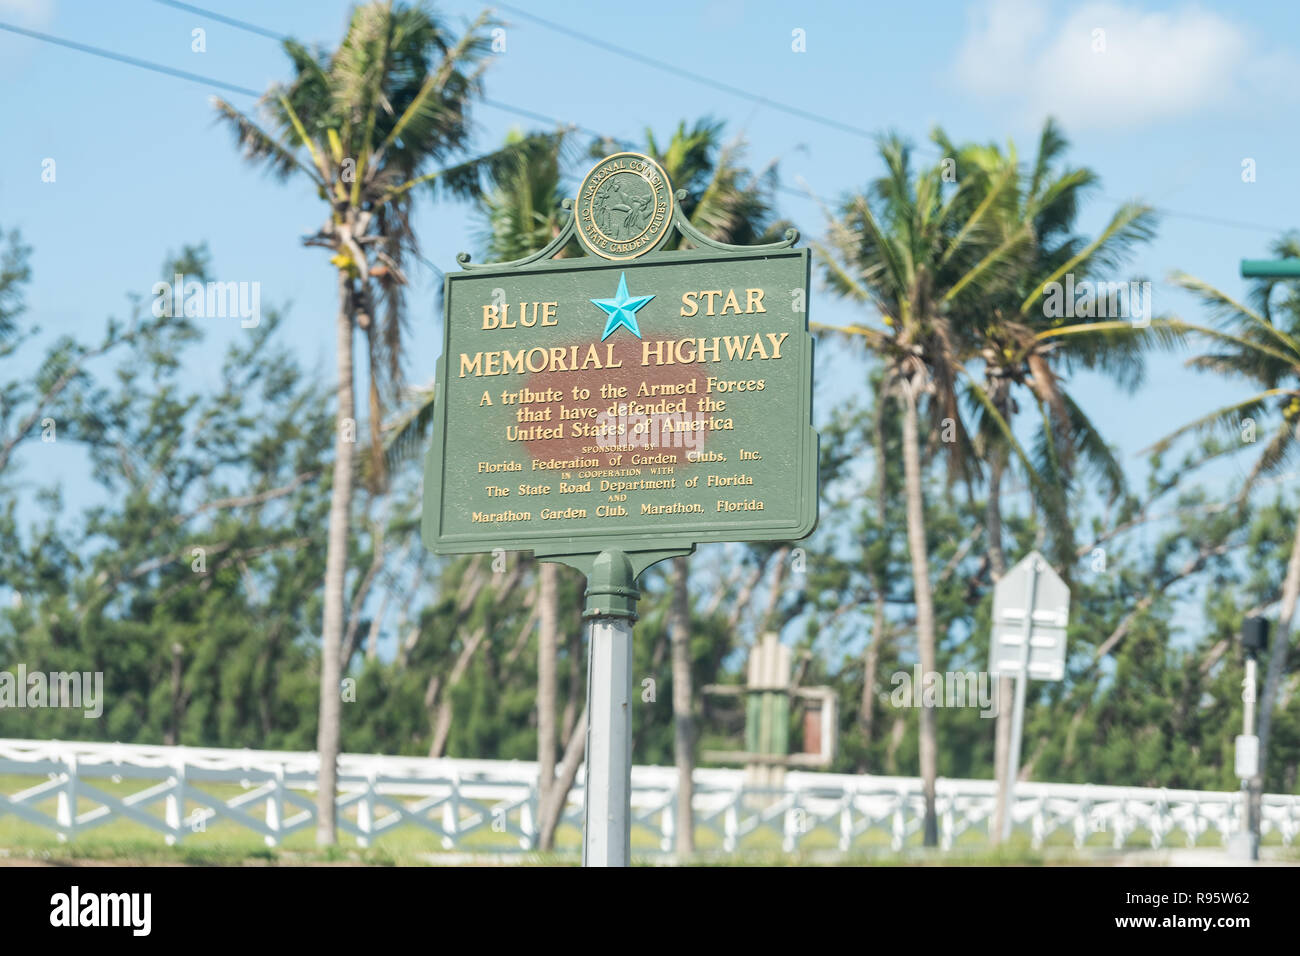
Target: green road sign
1270, 268
630, 400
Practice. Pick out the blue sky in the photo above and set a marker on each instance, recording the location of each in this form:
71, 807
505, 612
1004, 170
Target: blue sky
1167, 110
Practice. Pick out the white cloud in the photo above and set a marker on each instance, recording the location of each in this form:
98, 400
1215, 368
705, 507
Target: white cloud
28, 13
1108, 65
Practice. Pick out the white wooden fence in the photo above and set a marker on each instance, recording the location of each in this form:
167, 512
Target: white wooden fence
491, 805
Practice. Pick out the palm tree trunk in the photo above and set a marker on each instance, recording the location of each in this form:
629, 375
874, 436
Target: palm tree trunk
442, 723
548, 651
551, 808
336, 566
547, 656
679, 629
1276, 661
871, 665
924, 601
173, 735
1002, 722
993, 517
871, 661
574, 695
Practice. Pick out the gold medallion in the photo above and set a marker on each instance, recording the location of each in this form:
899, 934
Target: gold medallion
624, 208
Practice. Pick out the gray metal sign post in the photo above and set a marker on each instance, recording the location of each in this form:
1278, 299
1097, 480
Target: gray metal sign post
1031, 608
611, 608
1018, 716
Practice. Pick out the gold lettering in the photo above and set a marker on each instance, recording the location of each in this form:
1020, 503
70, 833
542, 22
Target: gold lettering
538, 367
473, 367
512, 362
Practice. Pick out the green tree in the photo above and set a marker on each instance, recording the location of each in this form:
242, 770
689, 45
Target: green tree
190, 585
367, 125
1029, 348
726, 202
523, 215
1258, 341
909, 248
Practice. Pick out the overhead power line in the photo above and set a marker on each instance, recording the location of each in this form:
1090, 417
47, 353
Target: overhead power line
691, 75
222, 18
532, 114
196, 78
129, 60
699, 78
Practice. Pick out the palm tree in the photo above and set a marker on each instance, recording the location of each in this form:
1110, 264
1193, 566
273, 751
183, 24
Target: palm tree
1024, 349
912, 247
1259, 342
727, 202
367, 125
522, 215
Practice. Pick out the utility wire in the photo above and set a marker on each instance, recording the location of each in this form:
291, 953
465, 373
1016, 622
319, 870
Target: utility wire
530, 114
691, 75
222, 18
1212, 220
254, 28
699, 78
609, 48
129, 60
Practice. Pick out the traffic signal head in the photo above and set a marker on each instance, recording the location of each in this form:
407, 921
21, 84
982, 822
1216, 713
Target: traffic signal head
1254, 635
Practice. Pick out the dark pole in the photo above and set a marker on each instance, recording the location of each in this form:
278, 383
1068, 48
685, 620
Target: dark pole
1254, 635
1254, 640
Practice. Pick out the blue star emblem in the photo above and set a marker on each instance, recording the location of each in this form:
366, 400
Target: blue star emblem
622, 309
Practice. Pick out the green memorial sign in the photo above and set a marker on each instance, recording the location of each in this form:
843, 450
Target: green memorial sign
631, 400
615, 409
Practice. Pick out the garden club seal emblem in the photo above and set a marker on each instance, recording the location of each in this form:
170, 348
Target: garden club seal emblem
625, 205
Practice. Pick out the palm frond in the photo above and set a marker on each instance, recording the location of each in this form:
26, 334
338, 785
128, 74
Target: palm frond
1116, 348
1226, 307
468, 179
1228, 419
1047, 491
1281, 450
259, 146
1132, 223
1094, 451
405, 435
876, 340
